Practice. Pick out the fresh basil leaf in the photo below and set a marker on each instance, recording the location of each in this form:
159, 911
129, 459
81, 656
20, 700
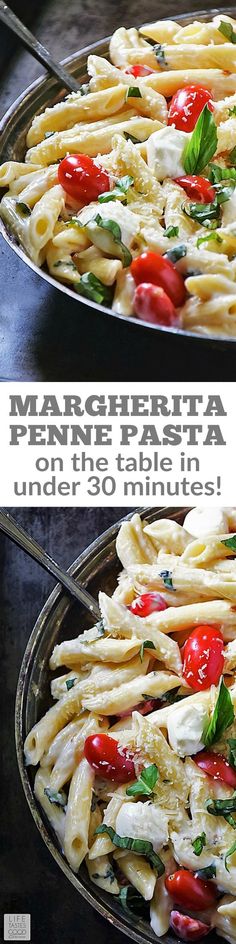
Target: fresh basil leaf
216, 173
199, 843
141, 846
171, 697
134, 92
232, 156
74, 222
112, 227
230, 820
176, 253
70, 683
171, 231
167, 579
208, 872
48, 134
158, 49
147, 644
228, 854
210, 237
147, 780
224, 807
224, 192
207, 214
23, 208
227, 30
202, 145
230, 542
119, 191
54, 797
94, 289
132, 902
232, 752
222, 718
232, 111
130, 137
85, 88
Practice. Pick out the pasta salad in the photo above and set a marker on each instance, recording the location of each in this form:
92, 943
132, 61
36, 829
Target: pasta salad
136, 758
127, 192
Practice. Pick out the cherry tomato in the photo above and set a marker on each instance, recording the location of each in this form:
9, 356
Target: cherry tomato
186, 106
82, 178
197, 188
138, 71
151, 267
190, 891
152, 304
148, 603
188, 929
215, 765
109, 760
203, 657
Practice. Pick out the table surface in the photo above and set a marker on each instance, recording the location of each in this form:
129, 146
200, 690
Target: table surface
31, 880
44, 335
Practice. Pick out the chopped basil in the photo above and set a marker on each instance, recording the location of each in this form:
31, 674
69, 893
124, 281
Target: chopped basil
172, 696
59, 798
232, 156
74, 222
160, 55
232, 111
208, 214
202, 145
229, 853
70, 683
147, 644
130, 137
208, 872
217, 173
141, 846
222, 718
61, 262
199, 843
84, 89
147, 780
114, 244
232, 752
132, 902
94, 289
176, 253
227, 30
23, 208
230, 542
224, 807
171, 231
48, 134
119, 191
210, 237
134, 92
167, 579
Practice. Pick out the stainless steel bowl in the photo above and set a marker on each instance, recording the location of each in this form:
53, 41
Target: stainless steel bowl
97, 568
14, 127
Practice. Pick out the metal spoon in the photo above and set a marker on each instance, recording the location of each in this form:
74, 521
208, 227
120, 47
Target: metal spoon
35, 47
20, 537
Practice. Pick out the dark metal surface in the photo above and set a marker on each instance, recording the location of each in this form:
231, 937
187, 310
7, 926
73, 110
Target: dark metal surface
13, 23
33, 348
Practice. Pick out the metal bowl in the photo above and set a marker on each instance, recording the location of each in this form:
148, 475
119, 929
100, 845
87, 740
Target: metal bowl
14, 127
96, 568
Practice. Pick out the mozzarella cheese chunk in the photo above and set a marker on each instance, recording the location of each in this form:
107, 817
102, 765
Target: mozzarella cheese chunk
143, 821
201, 521
185, 728
165, 152
115, 211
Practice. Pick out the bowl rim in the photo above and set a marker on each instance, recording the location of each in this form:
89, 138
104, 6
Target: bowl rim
55, 597
9, 238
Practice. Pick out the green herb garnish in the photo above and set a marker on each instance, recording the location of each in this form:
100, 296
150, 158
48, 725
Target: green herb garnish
147, 644
70, 683
141, 846
59, 798
147, 780
23, 208
229, 853
176, 253
210, 237
202, 145
167, 579
119, 191
208, 872
208, 214
112, 227
134, 92
222, 718
232, 111
230, 542
132, 902
158, 49
199, 843
171, 231
216, 173
224, 808
232, 752
94, 289
85, 88
227, 30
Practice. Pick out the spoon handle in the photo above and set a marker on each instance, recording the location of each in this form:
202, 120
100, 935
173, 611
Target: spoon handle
35, 47
20, 537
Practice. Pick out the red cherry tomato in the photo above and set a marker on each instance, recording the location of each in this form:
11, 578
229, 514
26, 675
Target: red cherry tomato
108, 759
151, 267
197, 188
203, 657
188, 929
190, 891
152, 304
186, 106
138, 71
215, 765
148, 603
82, 178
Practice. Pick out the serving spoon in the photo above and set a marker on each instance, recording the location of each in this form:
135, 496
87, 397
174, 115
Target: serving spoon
28, 544
35, 47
